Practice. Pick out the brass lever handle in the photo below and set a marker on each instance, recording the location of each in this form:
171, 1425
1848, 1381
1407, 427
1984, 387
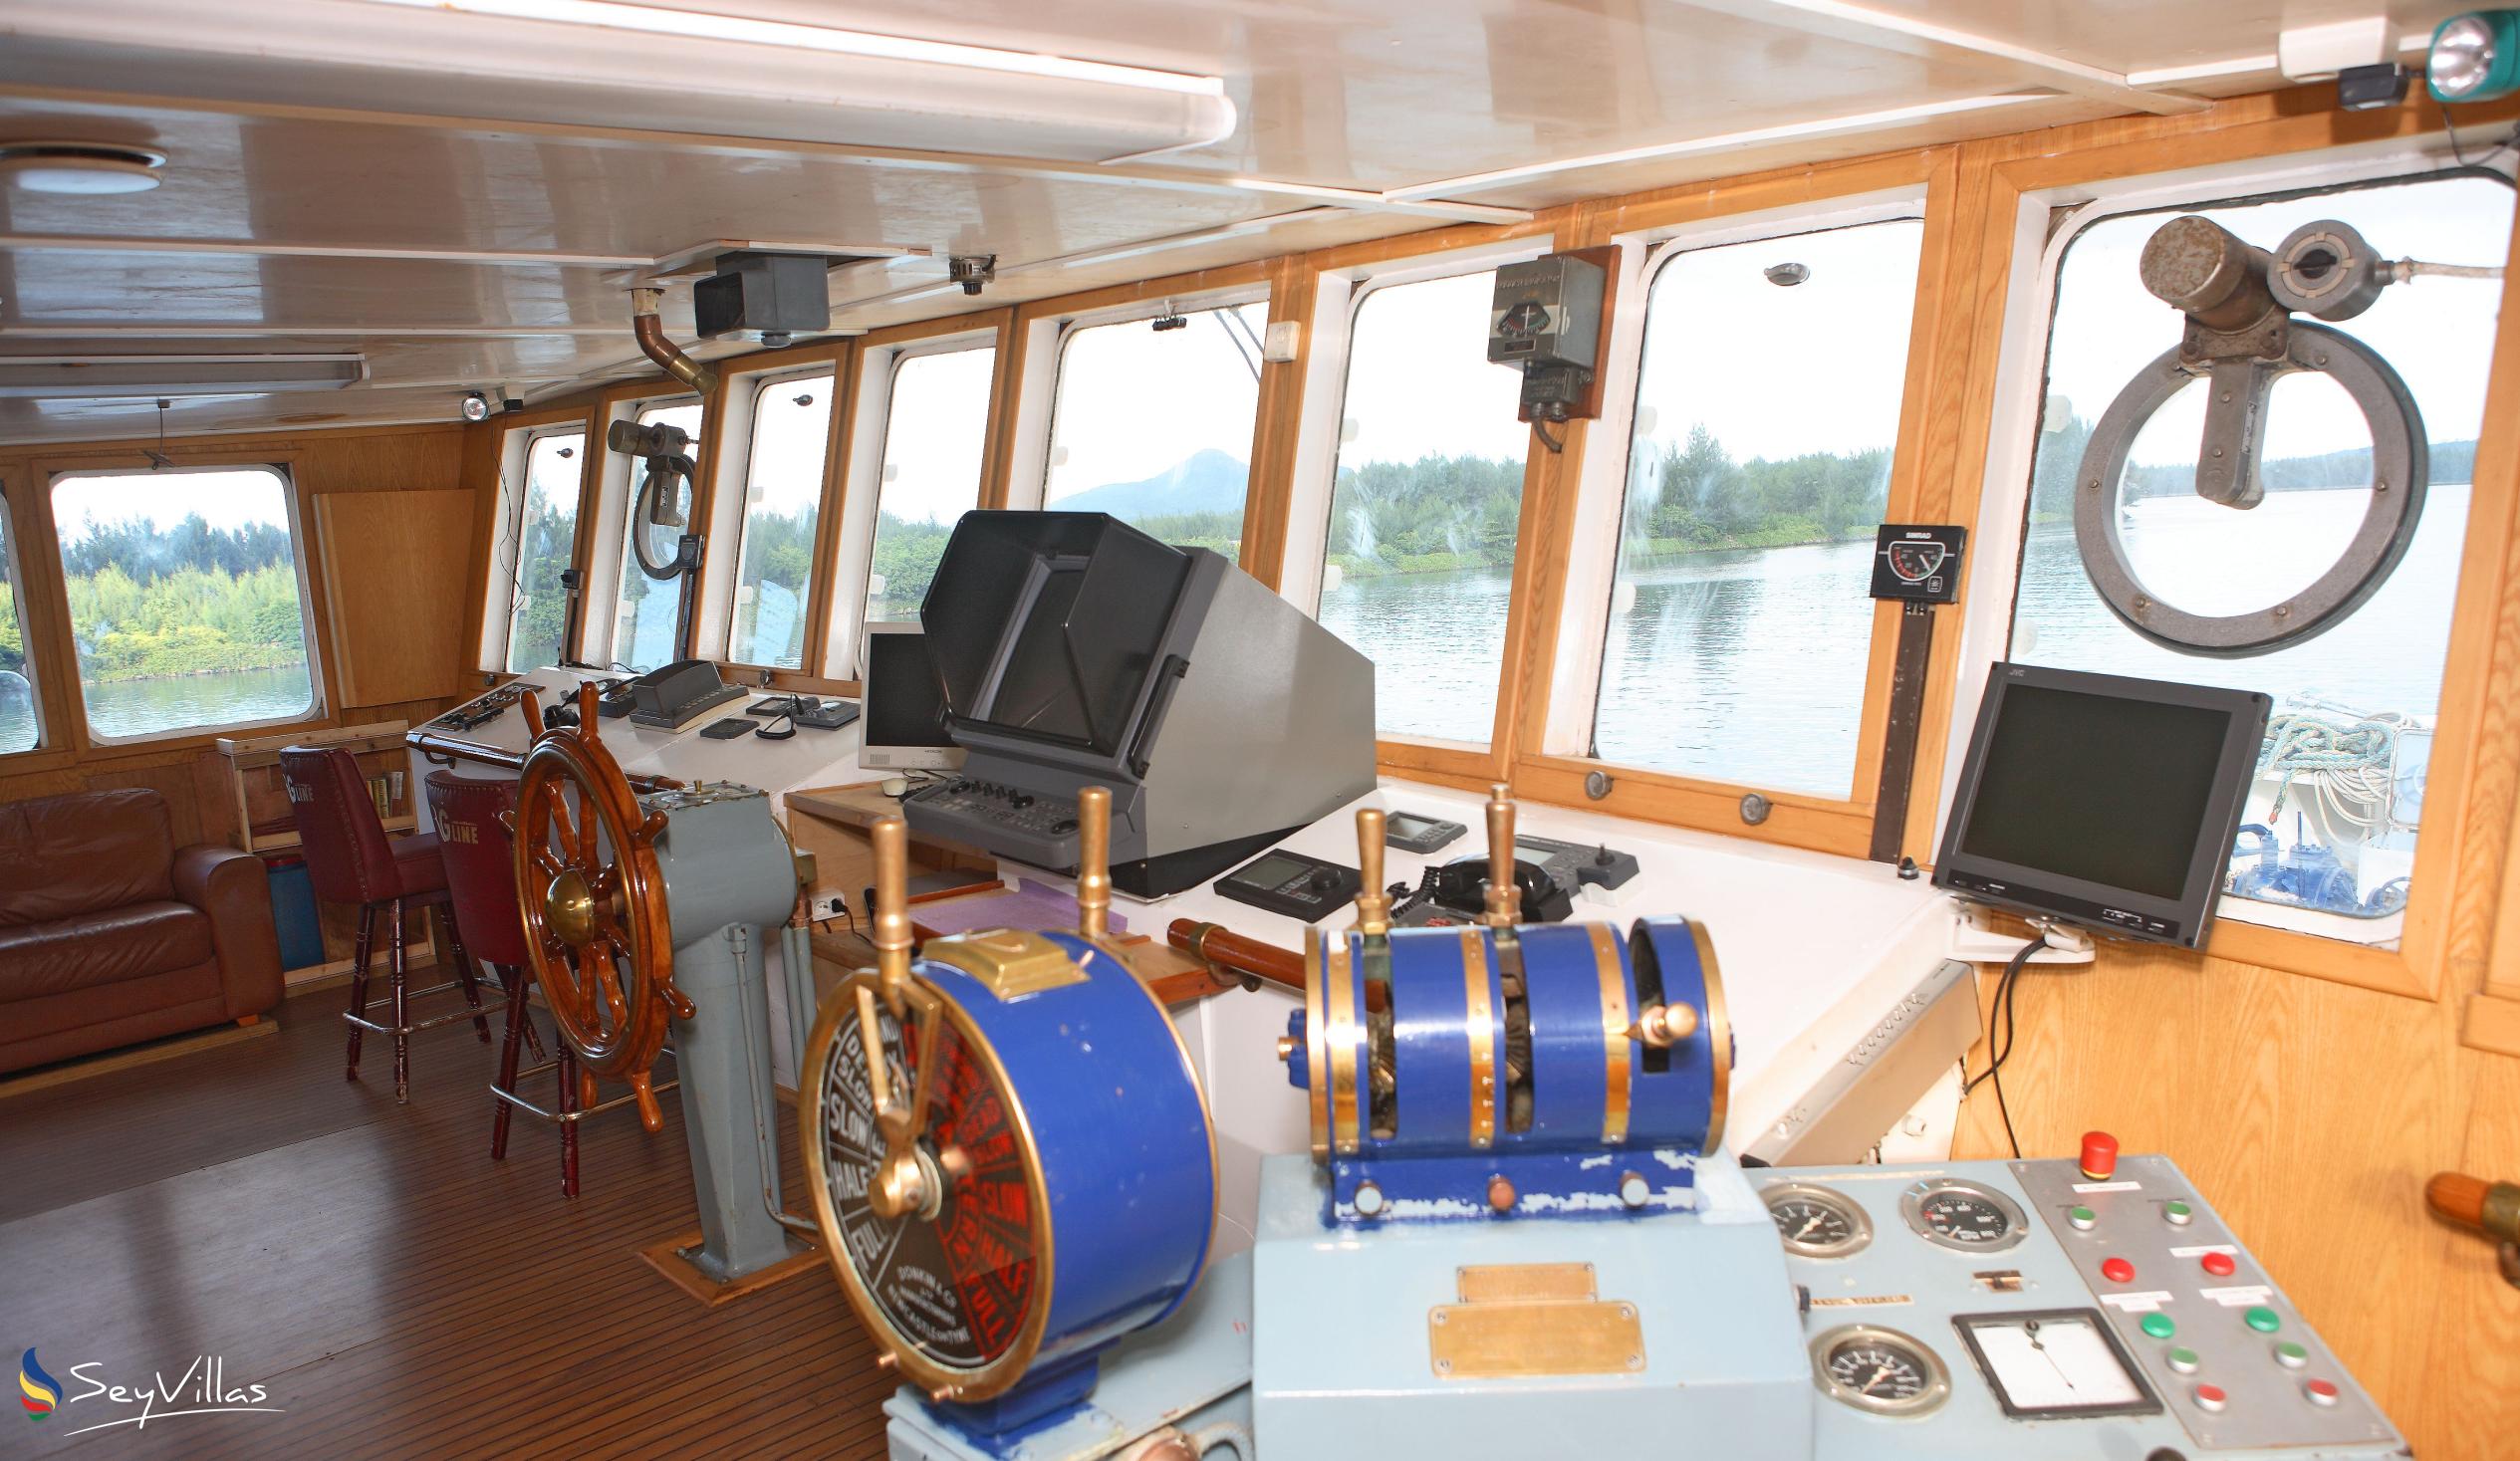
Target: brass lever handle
1374, 901
1504, 895
2491, 1208
1093, 861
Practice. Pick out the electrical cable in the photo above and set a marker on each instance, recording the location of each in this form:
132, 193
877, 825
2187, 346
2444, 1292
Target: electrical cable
1998, 1053
1556, 444
2450, 130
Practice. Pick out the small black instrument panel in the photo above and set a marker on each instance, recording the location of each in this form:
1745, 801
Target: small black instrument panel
1918, 562
1291, 883
1413, 833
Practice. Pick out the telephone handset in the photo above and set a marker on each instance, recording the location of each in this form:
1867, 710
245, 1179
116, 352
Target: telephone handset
1457, 892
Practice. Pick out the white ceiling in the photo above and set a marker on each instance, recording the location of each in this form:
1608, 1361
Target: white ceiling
490, 244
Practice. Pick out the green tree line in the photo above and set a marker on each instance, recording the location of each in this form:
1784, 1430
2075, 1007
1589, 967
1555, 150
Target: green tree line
146, 602
2060, 456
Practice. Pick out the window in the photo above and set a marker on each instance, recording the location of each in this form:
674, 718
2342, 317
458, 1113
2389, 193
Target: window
1153, 420
544, 533
1767, 412
643, 624
935, 434
1425, 506
185, 604
783, 501
21, 723
2331, 822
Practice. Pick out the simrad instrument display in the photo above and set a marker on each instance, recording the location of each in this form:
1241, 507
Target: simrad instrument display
1816, 1222
1962, 1215
1877, 1369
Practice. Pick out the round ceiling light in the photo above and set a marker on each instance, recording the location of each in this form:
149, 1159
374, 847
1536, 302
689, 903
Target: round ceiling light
80, 168
2475, 57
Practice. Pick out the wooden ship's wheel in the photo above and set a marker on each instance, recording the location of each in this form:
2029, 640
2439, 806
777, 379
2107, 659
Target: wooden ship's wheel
596, 924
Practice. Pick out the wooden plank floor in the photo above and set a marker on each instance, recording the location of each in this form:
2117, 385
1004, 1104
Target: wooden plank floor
398, 1293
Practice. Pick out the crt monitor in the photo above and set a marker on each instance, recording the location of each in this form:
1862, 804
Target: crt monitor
904, 703
2100, 801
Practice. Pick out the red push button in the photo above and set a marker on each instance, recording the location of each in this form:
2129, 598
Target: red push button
2100, 1155
2118, 1270
2321, 1392
2211, 1397
2218, 1263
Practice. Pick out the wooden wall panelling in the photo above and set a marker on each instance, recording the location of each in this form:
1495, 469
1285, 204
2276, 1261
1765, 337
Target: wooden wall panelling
1278, 421
392, 561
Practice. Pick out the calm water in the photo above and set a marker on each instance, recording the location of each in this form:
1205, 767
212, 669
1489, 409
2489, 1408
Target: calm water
141, 707
1748, 666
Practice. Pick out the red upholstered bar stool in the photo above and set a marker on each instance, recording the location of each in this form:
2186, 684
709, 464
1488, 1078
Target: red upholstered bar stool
474, 839
351, 860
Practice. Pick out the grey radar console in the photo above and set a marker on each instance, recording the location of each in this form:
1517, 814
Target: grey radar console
1072, 651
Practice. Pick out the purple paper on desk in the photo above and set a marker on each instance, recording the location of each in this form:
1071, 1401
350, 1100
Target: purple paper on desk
1031, 906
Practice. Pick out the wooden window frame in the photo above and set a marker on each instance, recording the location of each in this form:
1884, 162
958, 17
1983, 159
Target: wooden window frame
2460, 857
721, 575
1341, 280
314, 611
865, 424
510, 450
1550, 645
37, 673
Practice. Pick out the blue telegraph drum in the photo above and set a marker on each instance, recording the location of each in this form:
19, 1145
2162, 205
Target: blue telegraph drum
1441, 1061
1067, 1178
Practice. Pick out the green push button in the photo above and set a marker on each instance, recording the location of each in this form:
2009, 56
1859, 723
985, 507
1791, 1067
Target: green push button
2158, 1325
2291, 1356
2083, 1218
2264, 1320
2177, 1212
2184, 1361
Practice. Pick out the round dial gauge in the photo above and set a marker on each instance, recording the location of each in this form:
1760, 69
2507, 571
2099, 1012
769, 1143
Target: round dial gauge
1815, 1222
1915, 561
1964, 1215
1880, 1370
955, 1280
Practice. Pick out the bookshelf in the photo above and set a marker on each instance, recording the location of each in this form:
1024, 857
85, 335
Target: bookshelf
253, 809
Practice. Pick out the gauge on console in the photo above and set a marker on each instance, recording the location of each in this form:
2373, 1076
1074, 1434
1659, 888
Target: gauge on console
1963, 1216
1878, 1370
1816, 1222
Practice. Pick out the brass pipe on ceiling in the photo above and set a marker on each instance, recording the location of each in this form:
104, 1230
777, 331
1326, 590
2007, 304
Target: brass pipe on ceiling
649, 327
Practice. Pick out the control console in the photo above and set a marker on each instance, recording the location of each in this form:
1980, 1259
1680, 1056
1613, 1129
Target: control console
1036, 828
2036, 1310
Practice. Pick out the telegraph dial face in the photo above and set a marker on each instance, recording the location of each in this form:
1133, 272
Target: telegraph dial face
958, 1287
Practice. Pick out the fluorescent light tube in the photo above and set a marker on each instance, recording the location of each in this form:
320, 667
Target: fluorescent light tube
600, 62
121, 378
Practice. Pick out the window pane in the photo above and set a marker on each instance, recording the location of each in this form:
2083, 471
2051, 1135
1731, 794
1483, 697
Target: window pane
783, 500
546, 529
642, 625
20, 726
1154, 426
183, 599
1425, 509
935, 434
2331, 822
1766, 415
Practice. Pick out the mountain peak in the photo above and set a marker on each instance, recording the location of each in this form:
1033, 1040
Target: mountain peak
1207, 480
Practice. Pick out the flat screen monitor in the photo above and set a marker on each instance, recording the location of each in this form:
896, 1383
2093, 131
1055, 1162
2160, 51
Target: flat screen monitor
2103, 802
904, 703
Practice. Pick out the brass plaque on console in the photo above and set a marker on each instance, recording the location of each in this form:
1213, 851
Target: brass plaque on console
1500, 1282
1011, 962
1536, 1319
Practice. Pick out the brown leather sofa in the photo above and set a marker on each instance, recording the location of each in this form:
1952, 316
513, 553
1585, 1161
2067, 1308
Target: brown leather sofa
110, 933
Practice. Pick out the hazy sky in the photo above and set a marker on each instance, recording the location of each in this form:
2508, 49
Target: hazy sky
933, 438
2108, 327
1419, 380
223, 499
1132, 400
